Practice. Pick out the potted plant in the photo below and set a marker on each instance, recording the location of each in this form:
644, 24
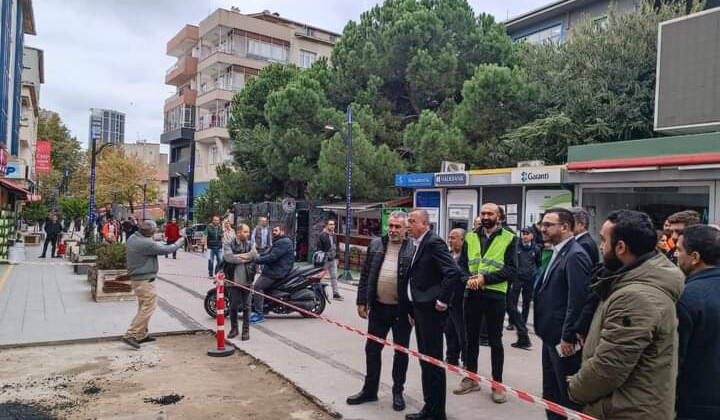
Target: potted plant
109, 276
87, 254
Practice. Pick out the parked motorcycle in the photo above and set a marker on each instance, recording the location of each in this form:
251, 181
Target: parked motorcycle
302, 287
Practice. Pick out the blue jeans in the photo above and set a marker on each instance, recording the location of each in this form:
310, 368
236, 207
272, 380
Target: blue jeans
216, 253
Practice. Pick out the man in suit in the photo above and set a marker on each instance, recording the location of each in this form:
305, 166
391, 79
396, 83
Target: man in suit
428, 289
560, 295
582, 236
377, 301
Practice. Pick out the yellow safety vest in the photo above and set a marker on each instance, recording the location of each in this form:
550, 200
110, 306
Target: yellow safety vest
494, 259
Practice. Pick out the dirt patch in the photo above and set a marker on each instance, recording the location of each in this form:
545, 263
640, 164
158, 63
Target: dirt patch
169, 378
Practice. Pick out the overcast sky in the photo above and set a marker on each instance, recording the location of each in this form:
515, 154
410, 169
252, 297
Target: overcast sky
111, 53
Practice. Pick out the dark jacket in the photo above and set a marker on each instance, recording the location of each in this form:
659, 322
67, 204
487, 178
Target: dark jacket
53, 229
629, 362
233, 264
560, 299
698, 311
433, 274
325, 245
280, 260
528, 261
214, 237
508, 272
591, 247
367, 289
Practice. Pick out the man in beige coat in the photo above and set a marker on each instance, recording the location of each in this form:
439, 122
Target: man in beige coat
630, 359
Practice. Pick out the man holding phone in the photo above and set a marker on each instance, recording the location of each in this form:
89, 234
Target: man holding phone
560, 295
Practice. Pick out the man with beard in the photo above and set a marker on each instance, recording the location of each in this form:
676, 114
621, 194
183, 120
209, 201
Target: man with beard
560, 295
377, 301
699, 317
489, 261
630, 358
276, 266
239, 272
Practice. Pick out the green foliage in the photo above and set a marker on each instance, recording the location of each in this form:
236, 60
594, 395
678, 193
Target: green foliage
111, 257
249, 105
90, 246
431, 141
65, 154
209, 204
35, 212
74, 208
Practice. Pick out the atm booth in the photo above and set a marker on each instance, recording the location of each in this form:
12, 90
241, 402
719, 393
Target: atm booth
453, 199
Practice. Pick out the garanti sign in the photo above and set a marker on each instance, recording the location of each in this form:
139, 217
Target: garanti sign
536, 175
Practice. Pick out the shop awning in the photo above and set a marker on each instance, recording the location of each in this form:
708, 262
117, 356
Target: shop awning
360, 206
13, 188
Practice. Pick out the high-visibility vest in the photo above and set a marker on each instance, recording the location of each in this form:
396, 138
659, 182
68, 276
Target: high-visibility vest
493, 260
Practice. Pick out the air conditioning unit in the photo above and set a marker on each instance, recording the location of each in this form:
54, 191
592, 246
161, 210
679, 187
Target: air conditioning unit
530, 163
446, 166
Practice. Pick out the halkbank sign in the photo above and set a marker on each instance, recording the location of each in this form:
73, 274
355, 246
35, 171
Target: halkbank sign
536, 175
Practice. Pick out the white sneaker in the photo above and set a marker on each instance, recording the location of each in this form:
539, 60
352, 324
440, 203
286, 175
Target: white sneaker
498, 397
466, 386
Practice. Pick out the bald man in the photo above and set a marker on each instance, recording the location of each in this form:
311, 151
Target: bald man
489, 262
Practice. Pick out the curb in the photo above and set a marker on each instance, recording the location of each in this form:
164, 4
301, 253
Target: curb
98, 339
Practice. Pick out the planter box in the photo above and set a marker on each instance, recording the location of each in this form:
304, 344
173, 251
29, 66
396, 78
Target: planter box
33, 239
105, 286
82, 269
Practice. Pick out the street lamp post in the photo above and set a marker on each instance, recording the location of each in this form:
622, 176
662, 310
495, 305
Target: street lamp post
347, 276
93, 162
144, 197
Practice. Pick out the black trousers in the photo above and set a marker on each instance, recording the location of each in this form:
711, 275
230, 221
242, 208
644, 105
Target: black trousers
455, 335
478, 308
429, 327
239, 299
555, 371
381, 320
170, 243
516, 317
53, 240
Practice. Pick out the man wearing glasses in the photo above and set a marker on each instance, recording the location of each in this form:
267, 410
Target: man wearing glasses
561, 292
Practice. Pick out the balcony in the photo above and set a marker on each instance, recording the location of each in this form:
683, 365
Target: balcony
183, 41
184, 97
211, 126
180, 167
182, 71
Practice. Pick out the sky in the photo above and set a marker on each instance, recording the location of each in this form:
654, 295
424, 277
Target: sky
111, 53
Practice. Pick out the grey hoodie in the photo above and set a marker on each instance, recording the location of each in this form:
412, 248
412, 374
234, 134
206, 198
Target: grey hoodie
142, 253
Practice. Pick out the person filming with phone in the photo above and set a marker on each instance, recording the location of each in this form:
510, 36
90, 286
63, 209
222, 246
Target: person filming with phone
561, 292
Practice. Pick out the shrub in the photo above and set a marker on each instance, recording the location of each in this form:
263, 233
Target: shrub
112, 257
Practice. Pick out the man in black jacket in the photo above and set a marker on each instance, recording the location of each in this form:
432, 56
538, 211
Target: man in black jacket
528, 259
277, 265
378, 301
582, 236
53, 229
428, 289
328, 245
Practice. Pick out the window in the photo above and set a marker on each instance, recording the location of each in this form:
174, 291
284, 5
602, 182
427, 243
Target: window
600, 23
551, 34
307, 59
214, 155
268, 51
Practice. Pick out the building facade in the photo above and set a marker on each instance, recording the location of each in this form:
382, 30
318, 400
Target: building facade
150, 154
22, 167
215, 60
16, 20
109, 126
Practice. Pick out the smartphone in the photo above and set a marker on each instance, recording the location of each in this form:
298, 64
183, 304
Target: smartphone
578, 346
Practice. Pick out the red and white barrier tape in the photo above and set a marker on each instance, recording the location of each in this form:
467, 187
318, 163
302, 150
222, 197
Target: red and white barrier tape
522, 395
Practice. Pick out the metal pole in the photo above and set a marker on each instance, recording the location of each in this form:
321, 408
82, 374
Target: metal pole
144, 198
348, 195
91, 225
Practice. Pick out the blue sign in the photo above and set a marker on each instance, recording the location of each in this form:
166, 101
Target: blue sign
427, 199
414, 180
451, 178
13, 171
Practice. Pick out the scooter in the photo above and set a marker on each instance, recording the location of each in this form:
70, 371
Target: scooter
302, 287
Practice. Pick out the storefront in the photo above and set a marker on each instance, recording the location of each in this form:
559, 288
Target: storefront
658, 176
453, 199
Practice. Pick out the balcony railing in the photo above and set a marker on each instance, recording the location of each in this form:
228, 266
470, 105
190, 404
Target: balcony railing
172, 68
212, 121
221, 85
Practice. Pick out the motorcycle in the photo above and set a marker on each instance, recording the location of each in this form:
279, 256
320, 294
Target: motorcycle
302, 287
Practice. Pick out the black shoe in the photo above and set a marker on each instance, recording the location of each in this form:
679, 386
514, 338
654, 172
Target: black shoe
130, 341
147, 339
485, 343
522, 345
510, 327
398, 401
360, 398
41, 256
233, 332
425, 416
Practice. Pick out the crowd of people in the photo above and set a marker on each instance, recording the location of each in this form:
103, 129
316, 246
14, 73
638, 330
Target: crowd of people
629, 328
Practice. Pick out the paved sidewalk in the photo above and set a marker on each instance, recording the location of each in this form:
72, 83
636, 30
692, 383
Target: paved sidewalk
48, 303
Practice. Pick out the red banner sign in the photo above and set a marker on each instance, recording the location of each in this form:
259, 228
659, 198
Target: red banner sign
43, 150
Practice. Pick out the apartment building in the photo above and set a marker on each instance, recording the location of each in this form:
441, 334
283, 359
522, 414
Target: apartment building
214, 61
150, 154
22, 166
555, 21
109, 126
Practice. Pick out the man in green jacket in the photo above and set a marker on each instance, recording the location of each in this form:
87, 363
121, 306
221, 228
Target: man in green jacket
630, 359
142, 264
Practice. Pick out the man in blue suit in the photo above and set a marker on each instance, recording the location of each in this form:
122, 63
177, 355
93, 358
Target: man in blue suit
560, 295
